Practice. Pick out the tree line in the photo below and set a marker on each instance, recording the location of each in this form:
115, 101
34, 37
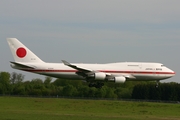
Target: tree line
14, 84
165, 92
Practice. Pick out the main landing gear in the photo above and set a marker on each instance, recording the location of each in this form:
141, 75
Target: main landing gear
96, 85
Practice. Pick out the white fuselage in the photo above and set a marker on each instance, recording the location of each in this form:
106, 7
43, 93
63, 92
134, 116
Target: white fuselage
95, 74
140, 70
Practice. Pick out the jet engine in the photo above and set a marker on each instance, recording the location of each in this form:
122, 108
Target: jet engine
119, 79
97, 76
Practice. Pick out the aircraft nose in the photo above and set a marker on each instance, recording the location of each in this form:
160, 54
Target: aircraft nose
172, 73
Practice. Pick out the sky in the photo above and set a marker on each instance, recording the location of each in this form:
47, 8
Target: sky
93, 31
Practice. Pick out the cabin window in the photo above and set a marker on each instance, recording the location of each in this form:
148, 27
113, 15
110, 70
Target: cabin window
134, 65
149, 68
158, 68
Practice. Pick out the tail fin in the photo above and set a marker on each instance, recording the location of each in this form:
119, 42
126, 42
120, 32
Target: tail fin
20, 52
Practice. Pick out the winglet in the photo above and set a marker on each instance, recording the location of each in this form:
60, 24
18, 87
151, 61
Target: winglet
66, 63
75, 67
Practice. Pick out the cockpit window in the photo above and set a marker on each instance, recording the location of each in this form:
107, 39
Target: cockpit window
162, 65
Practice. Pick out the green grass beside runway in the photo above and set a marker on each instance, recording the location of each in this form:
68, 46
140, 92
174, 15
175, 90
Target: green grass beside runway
19, 108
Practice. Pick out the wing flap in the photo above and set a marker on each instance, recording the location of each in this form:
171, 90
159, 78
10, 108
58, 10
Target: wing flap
129, 76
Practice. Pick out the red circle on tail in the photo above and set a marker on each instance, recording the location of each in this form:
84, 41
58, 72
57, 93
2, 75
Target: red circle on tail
21, 52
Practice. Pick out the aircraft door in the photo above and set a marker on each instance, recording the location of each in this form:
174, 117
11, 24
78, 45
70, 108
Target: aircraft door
140, 66
154, 72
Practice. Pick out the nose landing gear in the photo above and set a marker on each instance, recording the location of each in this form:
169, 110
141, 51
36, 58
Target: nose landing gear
157, 83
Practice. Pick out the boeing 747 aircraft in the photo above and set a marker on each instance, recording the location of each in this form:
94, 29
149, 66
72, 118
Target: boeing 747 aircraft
94, 74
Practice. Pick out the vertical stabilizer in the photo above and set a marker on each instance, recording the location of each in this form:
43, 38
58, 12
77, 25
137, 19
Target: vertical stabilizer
20, 52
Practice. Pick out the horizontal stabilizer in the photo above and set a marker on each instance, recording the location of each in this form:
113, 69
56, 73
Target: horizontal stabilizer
22, 66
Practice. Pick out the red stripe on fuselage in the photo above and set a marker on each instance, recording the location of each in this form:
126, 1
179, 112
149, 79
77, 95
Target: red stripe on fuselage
106, 71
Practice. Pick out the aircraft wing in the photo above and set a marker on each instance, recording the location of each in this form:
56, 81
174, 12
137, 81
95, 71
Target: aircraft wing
129, 76
84, 71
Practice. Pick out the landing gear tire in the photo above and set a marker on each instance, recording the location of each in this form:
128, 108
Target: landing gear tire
99, 85
91, 84
96, 85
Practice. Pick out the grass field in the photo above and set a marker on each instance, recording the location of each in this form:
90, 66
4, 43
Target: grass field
17, 108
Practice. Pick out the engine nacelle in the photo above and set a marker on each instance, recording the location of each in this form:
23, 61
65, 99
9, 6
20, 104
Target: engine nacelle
98, 76
119, 79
